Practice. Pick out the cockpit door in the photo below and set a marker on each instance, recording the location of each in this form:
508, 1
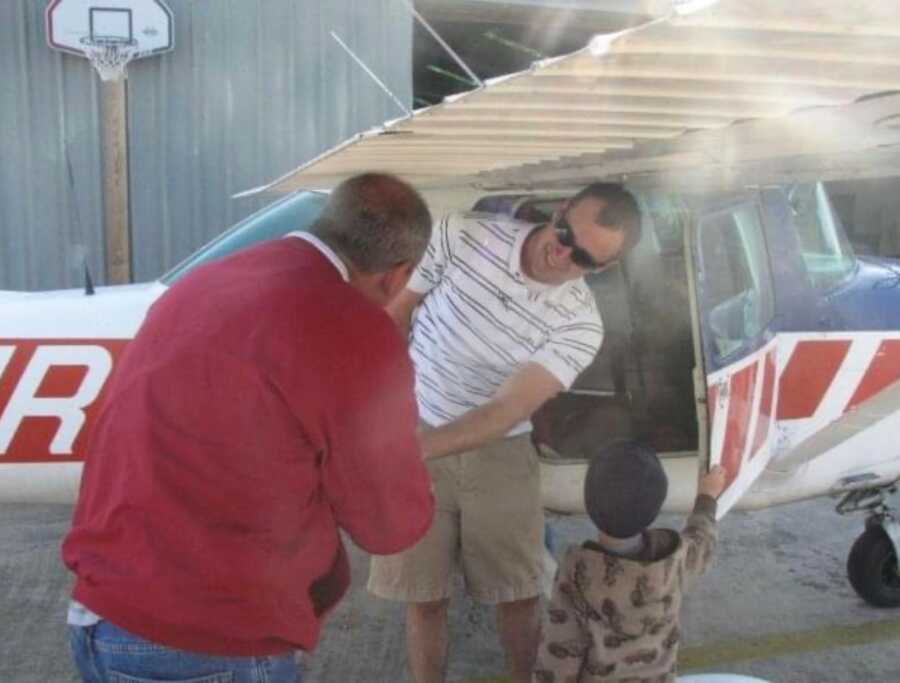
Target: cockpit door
732, 316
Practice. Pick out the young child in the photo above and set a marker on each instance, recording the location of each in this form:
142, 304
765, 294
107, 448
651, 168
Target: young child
613, 615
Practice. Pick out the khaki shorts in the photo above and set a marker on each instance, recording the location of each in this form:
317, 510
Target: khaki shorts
488, 521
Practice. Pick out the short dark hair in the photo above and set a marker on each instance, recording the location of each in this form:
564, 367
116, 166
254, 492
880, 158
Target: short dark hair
375, 220
624, 488
620, 213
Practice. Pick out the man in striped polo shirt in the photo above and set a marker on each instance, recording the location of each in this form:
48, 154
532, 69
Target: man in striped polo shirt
500, 320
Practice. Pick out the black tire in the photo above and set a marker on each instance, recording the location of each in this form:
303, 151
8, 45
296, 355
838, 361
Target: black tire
872, 568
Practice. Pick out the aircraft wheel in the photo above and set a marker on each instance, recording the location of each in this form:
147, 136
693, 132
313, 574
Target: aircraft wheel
872, 568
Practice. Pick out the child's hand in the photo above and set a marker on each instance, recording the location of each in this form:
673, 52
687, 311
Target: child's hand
712, 483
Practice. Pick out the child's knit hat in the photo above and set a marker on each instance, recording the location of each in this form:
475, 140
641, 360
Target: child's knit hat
624, 488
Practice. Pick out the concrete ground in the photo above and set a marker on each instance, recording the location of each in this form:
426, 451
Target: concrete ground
776, 605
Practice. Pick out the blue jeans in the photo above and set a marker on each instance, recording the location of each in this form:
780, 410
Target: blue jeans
104, 653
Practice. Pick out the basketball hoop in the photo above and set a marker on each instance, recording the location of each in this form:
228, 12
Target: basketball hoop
109, 55
110, 33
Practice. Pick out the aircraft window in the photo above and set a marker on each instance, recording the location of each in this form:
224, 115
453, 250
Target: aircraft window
668, 215
827, 253
735, 284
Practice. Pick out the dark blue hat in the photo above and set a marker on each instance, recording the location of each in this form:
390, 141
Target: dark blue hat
624, 488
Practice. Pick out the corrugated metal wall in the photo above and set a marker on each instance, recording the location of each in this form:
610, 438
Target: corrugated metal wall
252, 89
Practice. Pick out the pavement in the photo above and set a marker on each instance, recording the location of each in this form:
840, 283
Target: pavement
775, 605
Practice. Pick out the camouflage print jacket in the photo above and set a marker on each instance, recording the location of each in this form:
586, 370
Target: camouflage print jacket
616, 619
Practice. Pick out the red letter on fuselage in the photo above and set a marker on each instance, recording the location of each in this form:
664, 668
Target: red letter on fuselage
49, 389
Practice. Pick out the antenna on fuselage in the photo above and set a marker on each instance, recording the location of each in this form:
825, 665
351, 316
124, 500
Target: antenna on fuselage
88, 281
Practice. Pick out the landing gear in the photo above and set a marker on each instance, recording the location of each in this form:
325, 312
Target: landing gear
872, 564
872, 568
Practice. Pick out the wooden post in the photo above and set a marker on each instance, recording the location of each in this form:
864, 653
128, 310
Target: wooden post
116, 227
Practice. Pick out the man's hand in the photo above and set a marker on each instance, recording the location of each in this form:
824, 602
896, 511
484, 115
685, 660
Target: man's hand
712, 483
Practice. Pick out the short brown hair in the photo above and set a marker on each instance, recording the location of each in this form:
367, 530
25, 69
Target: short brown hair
376, 221
620, 213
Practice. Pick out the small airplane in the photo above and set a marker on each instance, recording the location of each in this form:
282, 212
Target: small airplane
742, 329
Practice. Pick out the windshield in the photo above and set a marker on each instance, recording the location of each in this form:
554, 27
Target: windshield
295, 212
826, 251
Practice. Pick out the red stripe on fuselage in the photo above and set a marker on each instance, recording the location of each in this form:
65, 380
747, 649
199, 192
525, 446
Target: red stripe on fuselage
883, 371
765, 404
809, 372
740, 407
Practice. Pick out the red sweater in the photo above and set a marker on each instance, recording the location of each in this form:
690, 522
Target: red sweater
264, 404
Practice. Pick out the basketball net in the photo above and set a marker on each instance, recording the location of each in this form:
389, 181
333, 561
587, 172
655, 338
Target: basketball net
110, 55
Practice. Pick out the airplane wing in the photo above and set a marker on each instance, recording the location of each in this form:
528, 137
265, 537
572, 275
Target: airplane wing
715, 92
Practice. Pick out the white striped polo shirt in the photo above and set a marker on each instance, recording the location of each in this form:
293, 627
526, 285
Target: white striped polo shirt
483, 318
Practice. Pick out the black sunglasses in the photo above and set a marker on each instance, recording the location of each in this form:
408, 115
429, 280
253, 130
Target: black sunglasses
580, 257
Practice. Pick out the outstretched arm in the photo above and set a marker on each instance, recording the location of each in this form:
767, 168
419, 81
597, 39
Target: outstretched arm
516, 399
372, 471
700, 531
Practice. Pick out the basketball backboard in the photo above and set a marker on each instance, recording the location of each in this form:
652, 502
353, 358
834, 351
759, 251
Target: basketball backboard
110, 33
145, 25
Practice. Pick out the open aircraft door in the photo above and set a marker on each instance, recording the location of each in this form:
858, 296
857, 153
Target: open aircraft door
732, 314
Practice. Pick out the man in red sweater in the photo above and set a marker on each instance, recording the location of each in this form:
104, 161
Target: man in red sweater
266, 402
